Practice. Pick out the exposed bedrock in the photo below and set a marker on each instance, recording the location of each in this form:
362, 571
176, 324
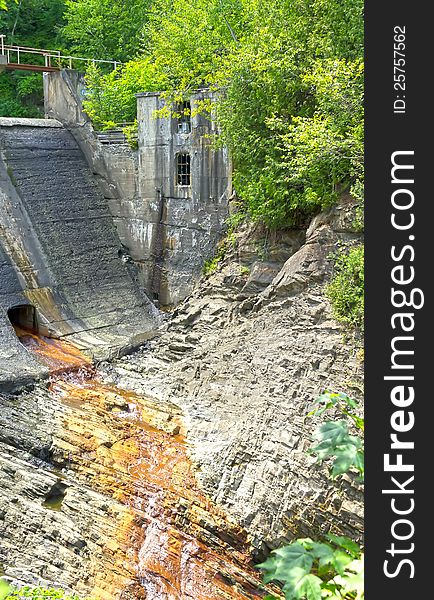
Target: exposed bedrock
244, 357
100, 498
236, 370
60, 249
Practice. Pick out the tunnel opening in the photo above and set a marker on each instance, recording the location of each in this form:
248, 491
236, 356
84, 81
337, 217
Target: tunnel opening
24, 317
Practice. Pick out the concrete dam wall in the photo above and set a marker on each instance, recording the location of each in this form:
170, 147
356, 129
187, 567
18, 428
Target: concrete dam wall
60, 252
169, 223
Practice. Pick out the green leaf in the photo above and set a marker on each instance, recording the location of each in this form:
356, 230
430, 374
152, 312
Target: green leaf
324, 553
346, 456
334, 441
285, 561
346, 543
303, 587
352, 580
4, 589
341, 560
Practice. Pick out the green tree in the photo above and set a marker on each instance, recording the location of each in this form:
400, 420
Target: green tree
347, 287
40, 593
105, 29
331, 568
34, 23
290, 74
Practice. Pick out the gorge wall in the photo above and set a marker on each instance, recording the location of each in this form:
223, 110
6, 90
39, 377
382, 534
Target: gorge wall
234, 371
167, 472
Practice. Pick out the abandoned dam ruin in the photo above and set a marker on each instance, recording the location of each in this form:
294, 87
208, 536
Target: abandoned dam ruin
153, 421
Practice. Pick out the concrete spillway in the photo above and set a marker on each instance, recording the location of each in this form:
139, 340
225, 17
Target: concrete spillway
59, 251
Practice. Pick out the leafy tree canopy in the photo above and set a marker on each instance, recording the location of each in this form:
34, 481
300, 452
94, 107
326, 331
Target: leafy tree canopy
34, 23
291, 107
105, 29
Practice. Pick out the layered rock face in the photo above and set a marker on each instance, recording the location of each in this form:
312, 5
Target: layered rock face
172, 470
244, 357
60, 250
99, 496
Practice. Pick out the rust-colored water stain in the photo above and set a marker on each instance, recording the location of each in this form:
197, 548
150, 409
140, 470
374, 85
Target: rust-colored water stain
58, 355
185, 548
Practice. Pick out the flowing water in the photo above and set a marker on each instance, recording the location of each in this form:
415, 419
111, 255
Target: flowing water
185, 548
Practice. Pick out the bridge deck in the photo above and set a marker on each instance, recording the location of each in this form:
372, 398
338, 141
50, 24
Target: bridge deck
26, 67
11, 57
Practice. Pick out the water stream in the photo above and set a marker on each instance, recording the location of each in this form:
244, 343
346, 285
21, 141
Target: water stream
184, 546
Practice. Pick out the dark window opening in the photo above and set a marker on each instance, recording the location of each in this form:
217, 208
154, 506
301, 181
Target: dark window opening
24, 317
183, 173
184, 119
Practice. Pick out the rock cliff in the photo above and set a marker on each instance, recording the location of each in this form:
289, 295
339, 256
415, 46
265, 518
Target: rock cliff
225, 387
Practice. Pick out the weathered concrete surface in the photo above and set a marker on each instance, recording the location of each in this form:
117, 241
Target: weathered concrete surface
17, 365
63, 96
15, 121
183, 223
167, 231
115, 167
58, 233
245, 366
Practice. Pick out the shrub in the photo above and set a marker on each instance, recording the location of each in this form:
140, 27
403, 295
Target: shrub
332, 568
38, 593
346, 289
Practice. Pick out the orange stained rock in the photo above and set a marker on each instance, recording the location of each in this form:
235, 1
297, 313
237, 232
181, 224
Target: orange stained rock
58, 355
172, 540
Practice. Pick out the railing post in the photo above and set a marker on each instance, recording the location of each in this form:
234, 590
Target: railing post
2, 38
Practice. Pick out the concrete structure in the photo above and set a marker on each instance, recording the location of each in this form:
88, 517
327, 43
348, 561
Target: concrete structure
60, 252
184, 184
167, 230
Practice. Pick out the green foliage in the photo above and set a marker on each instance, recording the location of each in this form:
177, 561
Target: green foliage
346, 289
343, 403
34, 23
37, 24
314, 570
4, 587
333, 568
38, 593
110, 98
211, 265
105, 29
333, 439
17, 92
228, 242
130, 132
291, 79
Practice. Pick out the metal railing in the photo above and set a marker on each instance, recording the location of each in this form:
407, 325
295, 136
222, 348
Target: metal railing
52, 59
115, 135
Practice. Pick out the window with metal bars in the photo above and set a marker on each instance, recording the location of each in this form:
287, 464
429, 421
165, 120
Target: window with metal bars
183, 173
184, 120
